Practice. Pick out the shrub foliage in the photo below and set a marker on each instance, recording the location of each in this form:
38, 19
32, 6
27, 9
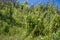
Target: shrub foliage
29, 22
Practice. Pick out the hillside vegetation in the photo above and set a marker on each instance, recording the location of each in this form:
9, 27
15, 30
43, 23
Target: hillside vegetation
24, 22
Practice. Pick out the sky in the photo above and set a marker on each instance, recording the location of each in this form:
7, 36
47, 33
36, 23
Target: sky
35, 2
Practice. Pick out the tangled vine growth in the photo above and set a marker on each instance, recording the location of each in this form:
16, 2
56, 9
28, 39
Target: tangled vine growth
26, 22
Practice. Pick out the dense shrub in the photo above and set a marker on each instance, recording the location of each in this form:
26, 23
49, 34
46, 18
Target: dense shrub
29, 23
